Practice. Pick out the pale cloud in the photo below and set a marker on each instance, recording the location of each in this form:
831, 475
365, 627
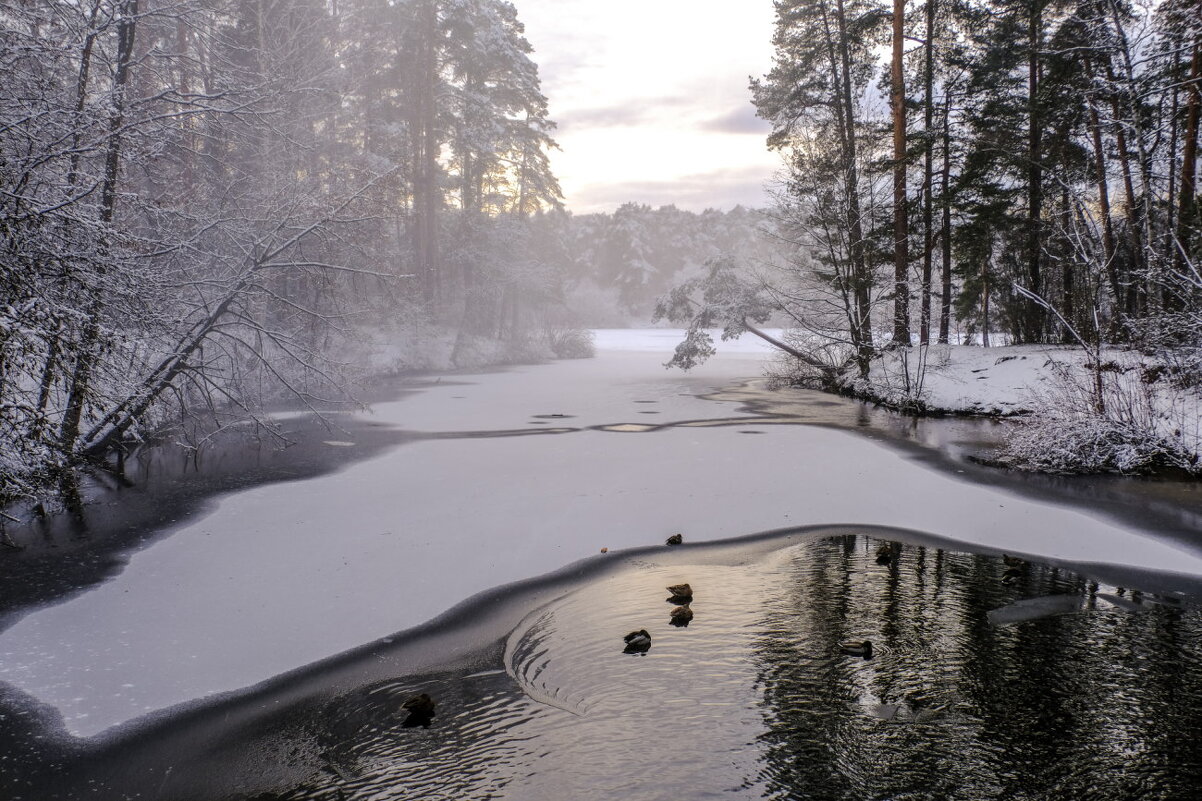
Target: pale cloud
602, 167
741, 120
652, 101
723, 188
634, 113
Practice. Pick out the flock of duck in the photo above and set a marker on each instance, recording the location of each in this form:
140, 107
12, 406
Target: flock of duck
420, 708
639, 642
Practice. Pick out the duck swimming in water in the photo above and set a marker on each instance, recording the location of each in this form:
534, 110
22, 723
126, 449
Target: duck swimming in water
675, 539
884, 553
857, 648
680, 592
420, 703
637, 642
680, 616
421, 711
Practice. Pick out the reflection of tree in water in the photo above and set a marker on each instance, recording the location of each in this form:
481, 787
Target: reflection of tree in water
1099, 705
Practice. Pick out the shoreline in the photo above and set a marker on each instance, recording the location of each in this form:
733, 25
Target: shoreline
1122, 415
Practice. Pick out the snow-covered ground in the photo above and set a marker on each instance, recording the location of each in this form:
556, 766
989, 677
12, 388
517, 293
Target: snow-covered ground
964, 378
1131, 416
526, 470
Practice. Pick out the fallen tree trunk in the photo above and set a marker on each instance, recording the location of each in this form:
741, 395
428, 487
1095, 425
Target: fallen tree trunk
829, 372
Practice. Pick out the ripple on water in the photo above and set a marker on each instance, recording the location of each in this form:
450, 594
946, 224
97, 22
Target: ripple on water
1094, 699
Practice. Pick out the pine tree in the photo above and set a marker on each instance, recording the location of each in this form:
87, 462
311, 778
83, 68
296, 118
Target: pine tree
822, 65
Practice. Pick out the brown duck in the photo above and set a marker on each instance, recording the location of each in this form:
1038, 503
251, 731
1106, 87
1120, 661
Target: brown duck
680, 592
884, 553
680, 616
421, 711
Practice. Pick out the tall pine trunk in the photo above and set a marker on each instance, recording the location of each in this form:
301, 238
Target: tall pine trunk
424, 148
1109, 247
54, 344
928, 176
901, 234
1033, 330
861, 277
1187, 212
945, 241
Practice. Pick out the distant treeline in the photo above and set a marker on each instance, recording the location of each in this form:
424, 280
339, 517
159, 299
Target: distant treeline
616, 266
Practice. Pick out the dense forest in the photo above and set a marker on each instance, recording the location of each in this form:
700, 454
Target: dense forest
203, 204
209, 206
1027, 168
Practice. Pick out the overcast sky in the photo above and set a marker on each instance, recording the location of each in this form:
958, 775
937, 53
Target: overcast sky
651, 99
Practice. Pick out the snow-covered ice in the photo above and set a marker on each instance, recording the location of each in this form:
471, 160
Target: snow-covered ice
279, 576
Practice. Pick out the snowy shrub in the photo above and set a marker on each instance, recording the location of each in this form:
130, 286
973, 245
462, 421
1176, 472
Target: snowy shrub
829, 357
785, 371
405, 347
525, 349
896, 376
1139, 427
570, 343
1066, 443
472, 351
831, 354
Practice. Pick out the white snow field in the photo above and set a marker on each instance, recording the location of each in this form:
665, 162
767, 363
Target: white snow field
282, 575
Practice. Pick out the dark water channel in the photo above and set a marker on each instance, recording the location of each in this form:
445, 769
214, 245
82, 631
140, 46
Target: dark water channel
988, 680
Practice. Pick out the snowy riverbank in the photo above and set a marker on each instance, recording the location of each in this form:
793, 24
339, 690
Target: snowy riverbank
1127, 413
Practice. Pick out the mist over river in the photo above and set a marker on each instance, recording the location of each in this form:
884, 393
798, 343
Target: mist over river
262, 645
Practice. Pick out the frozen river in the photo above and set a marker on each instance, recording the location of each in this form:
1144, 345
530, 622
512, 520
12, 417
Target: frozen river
508, 475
